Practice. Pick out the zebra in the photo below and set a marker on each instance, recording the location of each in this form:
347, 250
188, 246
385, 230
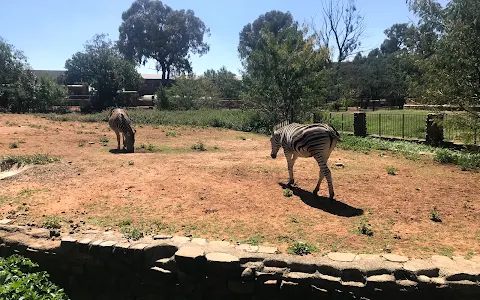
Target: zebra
120, 123
312, 140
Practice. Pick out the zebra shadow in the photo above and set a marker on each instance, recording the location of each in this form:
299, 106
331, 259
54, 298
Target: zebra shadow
116, 151
335, 207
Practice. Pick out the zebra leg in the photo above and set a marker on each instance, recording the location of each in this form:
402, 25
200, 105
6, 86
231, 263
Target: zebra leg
118, 139
324, 172
290, 162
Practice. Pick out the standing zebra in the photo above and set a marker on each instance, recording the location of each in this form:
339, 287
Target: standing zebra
298, 140
120, 123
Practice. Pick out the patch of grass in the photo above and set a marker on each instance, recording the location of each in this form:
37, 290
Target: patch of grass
365, 229
446, 251
52, 222
123, 223
287, 193
172, 133
131, 233
11, 124
199, 146
391, 170
301, 248
104, 139
435, 216
36, 159
466, 160
27, 192
13, 145
470, 255
254, 240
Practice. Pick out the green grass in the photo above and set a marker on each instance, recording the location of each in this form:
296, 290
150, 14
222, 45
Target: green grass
52, 222
131, 233
287, 193
236, 119
301, 248
466, 160
391, 170
36, 159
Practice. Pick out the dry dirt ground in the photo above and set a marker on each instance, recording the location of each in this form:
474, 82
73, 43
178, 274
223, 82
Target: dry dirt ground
233, 191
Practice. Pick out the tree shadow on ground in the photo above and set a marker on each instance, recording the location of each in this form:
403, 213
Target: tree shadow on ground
334, 207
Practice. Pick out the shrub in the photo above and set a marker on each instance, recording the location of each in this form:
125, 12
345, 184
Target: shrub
20, 280
301, 248
391, 170
199, 147
287, 192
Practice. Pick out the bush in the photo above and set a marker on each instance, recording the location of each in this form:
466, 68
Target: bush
19, 280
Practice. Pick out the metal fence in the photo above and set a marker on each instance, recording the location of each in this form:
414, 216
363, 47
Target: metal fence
405, 126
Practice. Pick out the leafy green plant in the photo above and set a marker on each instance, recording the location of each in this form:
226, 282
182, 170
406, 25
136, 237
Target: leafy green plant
19, 280
37, 159
172, 133
131, 233
391, 170
302, 248
199, 147
435, 216
13, 145
287, 193
52, 222
104, 139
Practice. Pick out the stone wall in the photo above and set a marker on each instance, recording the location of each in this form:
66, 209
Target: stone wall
98, 265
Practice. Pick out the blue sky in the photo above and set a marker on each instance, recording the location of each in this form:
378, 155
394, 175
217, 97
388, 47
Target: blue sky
50, 31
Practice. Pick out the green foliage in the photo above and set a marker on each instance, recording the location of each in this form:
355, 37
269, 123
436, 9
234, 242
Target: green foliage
466, 160
301, 248
435, 216
287, 193
13, 145
199, 147
131, 233
103, 67
283, 72
36, 159
171, 36
52, 222
20, 90
391, 170
225, 82
20, 280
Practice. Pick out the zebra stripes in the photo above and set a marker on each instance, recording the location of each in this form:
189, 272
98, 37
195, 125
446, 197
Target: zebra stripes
312, 140
120, 123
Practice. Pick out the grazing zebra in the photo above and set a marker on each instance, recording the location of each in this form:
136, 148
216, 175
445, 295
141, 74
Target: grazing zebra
120, 123
313, 140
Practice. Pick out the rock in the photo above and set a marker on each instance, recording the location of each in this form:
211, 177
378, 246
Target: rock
421, 267
339, 164
395, 258
200, 242
343, 257
267, 250
5, 221
222, 244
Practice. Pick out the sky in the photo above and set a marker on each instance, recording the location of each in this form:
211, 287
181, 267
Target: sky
51, 31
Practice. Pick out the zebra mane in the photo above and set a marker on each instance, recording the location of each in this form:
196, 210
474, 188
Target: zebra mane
280, 125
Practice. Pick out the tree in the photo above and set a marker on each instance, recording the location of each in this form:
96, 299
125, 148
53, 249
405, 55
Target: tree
102, 66
152, 30
20, 91
274, 21
283, 72
342, 27
226, 82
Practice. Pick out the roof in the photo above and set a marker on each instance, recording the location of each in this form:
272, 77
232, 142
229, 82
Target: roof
151, 76
52, 73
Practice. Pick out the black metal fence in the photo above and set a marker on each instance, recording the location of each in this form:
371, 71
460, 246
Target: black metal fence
405, 126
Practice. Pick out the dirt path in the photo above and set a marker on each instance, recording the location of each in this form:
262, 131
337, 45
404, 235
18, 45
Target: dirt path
233, 190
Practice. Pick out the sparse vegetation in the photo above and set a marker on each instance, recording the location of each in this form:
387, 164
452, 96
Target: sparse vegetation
172, 133
254, 240
302, 248
52, 222
36, 159
104, 139
131, 163
435, 216
287, 193
131, 233
391, 170
199, 146
13, 145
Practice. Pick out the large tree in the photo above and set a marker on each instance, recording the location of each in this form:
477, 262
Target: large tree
282, 73
226, 82
274, 21
20, 90
152, 30
104, 68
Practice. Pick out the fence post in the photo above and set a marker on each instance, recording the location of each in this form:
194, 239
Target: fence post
360, 124
403, 126
379, 124
434, 135
342, 125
